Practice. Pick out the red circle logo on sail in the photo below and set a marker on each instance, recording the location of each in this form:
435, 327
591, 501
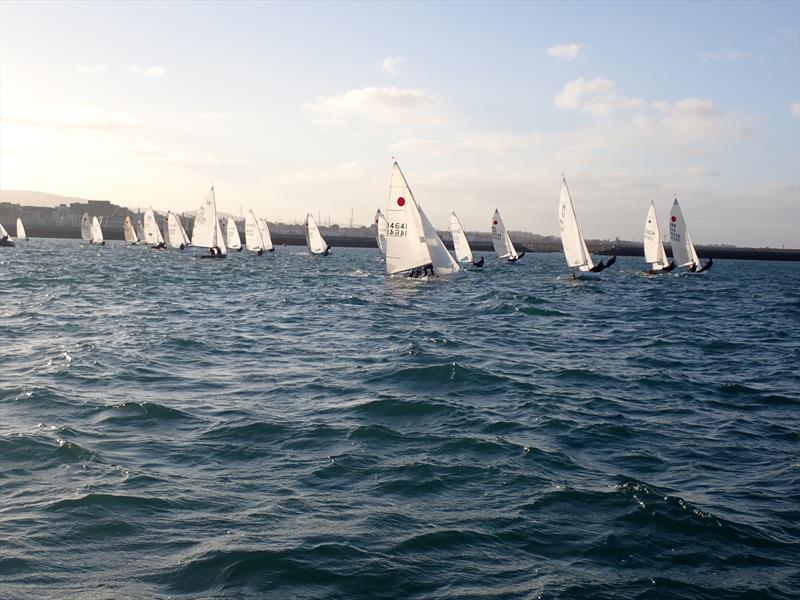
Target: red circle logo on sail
401, 201
674, 218
494, 222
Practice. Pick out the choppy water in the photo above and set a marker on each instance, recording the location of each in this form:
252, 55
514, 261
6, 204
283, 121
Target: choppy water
288, 426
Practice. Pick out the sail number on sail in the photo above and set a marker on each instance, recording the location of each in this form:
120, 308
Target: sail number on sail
674, 233
397, 229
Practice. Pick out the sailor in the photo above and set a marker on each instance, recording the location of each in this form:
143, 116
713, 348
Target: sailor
693, 268
479, 263
611, 261
598, 267
669, 267
260, 251
708, 265
182, 246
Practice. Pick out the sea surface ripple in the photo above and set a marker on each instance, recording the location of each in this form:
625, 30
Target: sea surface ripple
290, 426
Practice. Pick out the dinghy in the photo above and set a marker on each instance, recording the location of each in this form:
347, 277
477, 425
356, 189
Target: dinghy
252, 234
186, 242
232, 235
413, 247
97, 233
575, 250
503, 247
86, 228
152, 234
264, 229
653, 248
207, 232
176, 237
21, 235
5, 239
682, 247
139, 231
460, 244
129, 231
380, 231
316, 243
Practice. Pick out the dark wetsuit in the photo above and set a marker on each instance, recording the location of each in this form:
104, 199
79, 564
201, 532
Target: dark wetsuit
479, 263
707, 266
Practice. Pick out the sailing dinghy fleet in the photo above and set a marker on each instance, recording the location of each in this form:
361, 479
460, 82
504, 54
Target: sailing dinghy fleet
409, 243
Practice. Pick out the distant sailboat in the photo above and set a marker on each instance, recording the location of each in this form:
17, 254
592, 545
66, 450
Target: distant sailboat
412, 244
97, 233
264, 229
129, 231
86, 228
186, 242
460, 244
139, 231
252, 234
503, 247
5, 239
682, 247
380, 231
152, 234
21, 235
207, 232
653, 248
176, 237
575, 250
316, 243
232, 235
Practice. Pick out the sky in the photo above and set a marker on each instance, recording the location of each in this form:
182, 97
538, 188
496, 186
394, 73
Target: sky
290, 108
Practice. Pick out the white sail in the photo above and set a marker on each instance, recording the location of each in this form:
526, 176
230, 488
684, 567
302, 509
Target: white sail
86, 227
4, 233
575, 250
152, 234
264, 229
97, 233
21, 230
137, 224
460, 243
207, 232
185, 237
232, 235
682, 247
380, 231
314, 240
406, 248
503, 247
653, 248
129, 231
443, 262
175, 234
252, 233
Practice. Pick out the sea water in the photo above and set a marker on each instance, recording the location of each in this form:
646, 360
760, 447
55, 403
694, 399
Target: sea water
292, 426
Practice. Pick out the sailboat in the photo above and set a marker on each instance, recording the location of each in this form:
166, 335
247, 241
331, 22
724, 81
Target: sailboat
252, 234
5, 239
152, 234
503, 247
264, 229
380, 231
575, 250
412, 245
21, 235
129, 231
653, 248
139, 231
316, 243
86, 228
682, 247
97, 233
176, 236
460, 244
207, 232
232, 235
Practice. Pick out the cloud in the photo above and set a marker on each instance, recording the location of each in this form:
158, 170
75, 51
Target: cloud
350, 172
92, 68
149, 71
724, 55
178, 157
416, 145
691, 115
795, 109
702, 171
565, 51
86, 119
391, 63
377, 104
216, 115
598, 97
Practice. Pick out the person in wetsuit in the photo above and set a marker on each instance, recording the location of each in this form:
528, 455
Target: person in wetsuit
479, 263
707, 266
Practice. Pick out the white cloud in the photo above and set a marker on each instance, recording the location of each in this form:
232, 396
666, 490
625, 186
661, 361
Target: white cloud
391, 63
723, 55
92, 68
378, 104
565, 51
691, 115
86, 119
216, 115
795, 109
179, 157
349, 173
418, 145
597, 96
149, 71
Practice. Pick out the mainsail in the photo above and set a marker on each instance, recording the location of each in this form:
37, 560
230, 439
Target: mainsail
460, 243
21, 230
176, 238
380, 231
232, 235
575, 250
206, 232
252, 233
130, 232
503, 247
97, 233
314, 239
152, 234
653, 248
682, 247
86, 227
264, 229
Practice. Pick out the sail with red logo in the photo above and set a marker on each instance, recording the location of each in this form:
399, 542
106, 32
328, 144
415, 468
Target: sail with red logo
683, 250
412, 244
503, 247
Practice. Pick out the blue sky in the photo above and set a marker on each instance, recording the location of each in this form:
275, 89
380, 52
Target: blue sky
297, 107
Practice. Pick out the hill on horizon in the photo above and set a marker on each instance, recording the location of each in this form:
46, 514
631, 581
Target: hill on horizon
31, 198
